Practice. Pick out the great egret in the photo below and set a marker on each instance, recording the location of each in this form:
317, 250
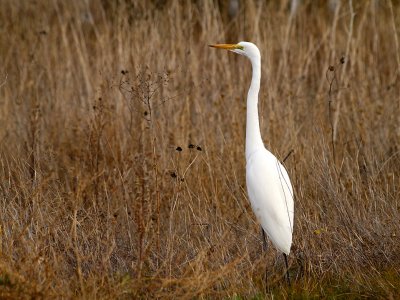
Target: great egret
268, 183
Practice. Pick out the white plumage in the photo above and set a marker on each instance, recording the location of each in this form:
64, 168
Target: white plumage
268, 184
270, 194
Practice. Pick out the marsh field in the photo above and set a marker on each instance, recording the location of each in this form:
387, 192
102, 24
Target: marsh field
122, 167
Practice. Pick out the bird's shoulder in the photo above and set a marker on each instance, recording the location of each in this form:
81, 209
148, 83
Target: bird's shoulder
262, 165
261, 158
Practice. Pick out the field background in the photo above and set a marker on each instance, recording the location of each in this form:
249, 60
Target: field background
97, 201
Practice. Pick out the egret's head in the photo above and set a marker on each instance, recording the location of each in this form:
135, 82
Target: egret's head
244, 48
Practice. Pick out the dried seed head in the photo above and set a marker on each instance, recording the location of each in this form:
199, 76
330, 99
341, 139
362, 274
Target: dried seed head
179, 149
331, 68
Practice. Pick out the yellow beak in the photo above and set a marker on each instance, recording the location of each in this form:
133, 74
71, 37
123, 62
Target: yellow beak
226, 46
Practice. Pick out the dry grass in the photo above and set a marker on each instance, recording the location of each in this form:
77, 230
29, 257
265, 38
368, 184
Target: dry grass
97, 202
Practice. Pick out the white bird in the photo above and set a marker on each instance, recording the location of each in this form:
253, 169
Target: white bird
268, 183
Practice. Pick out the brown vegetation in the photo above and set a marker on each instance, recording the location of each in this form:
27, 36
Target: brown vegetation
102, 194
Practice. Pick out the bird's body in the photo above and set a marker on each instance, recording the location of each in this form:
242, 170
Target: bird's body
270, 194
268, 184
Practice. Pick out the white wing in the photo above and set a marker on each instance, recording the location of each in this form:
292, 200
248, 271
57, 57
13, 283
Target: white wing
271, 197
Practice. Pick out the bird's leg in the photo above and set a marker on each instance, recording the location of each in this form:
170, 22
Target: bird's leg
287, 268
264, 238
265, 248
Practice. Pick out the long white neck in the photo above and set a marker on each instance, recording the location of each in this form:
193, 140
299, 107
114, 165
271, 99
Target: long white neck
253, 134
